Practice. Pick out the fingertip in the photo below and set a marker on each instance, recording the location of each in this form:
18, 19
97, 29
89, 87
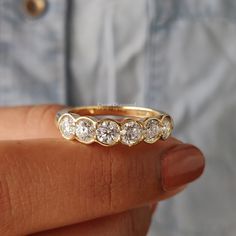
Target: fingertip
181, 165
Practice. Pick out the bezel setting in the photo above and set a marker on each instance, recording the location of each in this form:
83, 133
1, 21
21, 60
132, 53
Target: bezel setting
129, 131
166, 127
107, 132
152, 130
85, 129
66, 124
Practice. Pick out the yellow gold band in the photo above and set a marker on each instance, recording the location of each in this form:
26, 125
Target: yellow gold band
88, 124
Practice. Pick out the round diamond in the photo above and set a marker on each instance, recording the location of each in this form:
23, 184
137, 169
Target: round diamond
152, 130
67, 126
166, 128
131, 132
85, 130
108, 132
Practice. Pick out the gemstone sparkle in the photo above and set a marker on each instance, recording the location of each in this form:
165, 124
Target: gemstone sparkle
166, 128
108, 132
67, 126
85, 130
152, 130
131, 132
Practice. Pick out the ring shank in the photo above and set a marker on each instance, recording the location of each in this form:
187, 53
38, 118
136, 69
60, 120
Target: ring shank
140, 112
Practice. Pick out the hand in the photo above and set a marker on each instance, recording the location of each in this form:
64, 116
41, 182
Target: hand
47, 182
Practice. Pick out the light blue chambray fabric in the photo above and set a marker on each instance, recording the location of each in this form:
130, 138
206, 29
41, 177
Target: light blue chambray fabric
175, 55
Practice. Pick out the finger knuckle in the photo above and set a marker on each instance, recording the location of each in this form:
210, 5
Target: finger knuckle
40, 116
6, 207
111, 192
42, 112
48, 111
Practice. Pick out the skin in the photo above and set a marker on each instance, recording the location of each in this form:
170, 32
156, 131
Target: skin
51, 186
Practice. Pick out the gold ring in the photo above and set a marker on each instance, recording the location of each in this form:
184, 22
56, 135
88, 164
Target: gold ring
109, 125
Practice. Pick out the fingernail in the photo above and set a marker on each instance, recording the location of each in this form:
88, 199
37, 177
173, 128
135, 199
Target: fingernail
181, 165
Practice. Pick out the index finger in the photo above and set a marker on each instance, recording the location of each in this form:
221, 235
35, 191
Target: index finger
55, 182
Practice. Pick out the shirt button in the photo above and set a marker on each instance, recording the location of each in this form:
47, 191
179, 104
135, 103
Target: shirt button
35, 8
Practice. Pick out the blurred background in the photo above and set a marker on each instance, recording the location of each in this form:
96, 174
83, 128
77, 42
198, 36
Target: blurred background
174, 55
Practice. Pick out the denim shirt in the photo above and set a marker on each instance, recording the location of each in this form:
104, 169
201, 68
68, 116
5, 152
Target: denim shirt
174, 55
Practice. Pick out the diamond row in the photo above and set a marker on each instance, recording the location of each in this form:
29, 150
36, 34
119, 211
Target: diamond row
109, 132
